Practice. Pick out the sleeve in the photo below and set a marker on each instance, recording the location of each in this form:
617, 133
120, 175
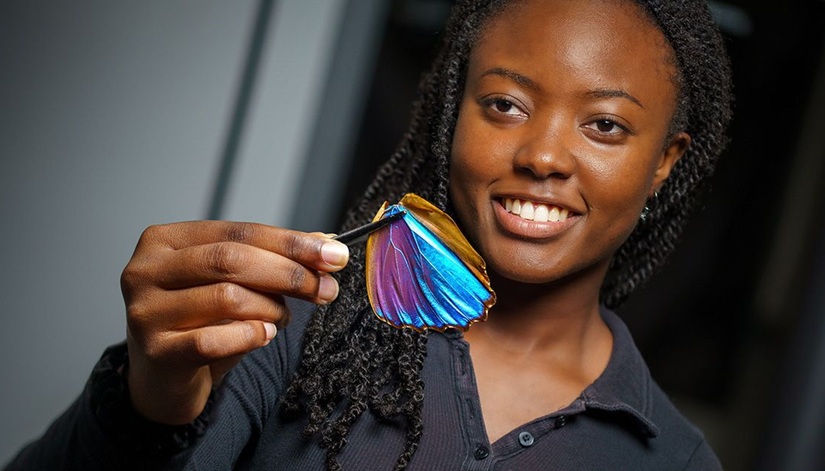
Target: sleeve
703, 459
249, 397
101, 431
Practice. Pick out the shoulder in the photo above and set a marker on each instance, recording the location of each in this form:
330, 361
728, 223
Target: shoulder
628, 395
678, 437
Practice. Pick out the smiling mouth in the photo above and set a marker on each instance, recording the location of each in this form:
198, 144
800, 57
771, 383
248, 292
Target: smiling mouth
537, 212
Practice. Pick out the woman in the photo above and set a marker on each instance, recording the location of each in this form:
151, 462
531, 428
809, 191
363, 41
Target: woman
568, 140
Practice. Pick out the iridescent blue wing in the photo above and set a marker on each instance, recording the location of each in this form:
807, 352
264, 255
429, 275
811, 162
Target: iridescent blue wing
422, 273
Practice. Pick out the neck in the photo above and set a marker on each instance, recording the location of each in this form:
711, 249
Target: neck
545, 342
543, 317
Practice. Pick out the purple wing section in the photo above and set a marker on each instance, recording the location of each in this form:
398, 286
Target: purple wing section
415, 280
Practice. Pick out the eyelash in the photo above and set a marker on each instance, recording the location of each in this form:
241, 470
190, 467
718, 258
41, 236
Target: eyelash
611, 122
620, 131
490, 103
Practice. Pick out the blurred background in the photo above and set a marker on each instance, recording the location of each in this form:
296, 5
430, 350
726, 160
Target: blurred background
115, 116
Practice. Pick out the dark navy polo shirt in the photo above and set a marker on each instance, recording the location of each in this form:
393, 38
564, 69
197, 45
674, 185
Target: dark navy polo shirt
623, 421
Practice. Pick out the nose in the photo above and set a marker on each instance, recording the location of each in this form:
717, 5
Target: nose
543, 154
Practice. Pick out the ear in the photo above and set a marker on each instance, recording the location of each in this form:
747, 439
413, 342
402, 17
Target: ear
672, 153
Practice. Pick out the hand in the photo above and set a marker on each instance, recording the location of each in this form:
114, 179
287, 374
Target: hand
200, 295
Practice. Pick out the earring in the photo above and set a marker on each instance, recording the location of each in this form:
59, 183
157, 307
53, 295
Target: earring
646, 212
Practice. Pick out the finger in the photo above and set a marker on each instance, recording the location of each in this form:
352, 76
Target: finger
314, 250
214, 343
245, 265
209, 305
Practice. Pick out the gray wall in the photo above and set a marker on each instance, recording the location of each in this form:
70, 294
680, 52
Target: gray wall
114, 116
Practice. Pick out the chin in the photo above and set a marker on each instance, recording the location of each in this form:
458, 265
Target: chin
521, 273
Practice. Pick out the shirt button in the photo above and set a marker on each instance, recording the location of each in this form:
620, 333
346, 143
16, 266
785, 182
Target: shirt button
481, 452
561, 421
525, 438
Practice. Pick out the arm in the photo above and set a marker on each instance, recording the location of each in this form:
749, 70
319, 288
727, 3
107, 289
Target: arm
199, 297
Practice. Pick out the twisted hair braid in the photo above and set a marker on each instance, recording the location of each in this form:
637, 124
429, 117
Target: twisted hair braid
351, 362
703, 111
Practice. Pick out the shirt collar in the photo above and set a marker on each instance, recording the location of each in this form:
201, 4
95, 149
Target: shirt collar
625, 385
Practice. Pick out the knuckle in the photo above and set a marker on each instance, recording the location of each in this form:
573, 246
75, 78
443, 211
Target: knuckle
283, 316
153, 349
203, 345
297, 278
136, 273
129, 277
138, 269
154, 233
296, 246
144, 325
209, 346
229, 297
240, 231
137, 313
223, 259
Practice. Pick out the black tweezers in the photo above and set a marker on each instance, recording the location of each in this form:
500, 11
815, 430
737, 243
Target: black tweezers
354, 236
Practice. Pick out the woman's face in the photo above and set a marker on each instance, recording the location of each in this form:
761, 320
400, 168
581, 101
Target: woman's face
561, 135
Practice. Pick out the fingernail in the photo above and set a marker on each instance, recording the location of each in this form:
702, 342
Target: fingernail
271, 330
328, 288
335, 254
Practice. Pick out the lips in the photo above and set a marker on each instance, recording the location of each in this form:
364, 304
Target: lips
534, 211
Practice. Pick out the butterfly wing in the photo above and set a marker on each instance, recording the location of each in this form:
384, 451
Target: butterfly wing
415, 279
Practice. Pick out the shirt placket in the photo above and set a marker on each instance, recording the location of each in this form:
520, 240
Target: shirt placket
478, 452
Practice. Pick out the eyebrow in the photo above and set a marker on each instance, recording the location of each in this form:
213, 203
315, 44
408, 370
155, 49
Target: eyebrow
611, 93
514, 76
532, 84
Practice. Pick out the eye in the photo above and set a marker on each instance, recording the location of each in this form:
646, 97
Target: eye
608, 129
503, 106
499, 106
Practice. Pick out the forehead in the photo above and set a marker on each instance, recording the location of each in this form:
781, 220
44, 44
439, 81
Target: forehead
610, 42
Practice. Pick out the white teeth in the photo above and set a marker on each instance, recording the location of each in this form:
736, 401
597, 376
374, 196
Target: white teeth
535, 211
540, 214
554, 215
527, 211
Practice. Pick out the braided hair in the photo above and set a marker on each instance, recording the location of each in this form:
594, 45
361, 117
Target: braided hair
352, 362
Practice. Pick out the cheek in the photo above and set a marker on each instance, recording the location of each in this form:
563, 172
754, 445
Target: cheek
480, 154
461, 172
467, 162
474, 165
619, 186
